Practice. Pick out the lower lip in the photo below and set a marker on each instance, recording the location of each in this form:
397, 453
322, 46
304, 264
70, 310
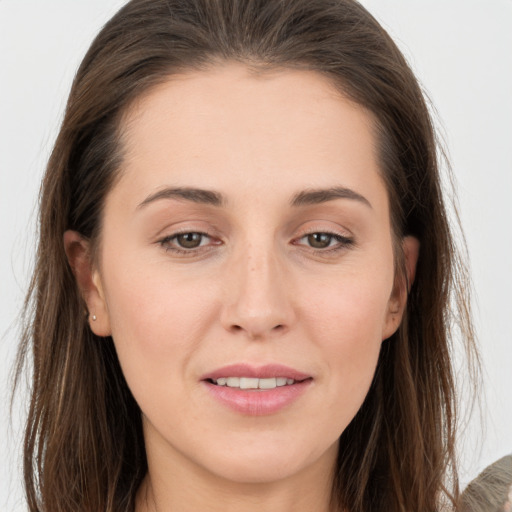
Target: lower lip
256, 402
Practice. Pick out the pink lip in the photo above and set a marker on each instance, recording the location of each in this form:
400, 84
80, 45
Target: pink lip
261, 372
257, 402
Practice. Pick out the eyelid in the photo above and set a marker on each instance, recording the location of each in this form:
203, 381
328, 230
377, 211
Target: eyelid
323, 227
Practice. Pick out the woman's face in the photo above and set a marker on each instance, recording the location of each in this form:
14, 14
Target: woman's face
247, 243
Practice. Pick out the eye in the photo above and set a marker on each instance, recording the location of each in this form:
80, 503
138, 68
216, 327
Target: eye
190, 240
319, 240
322, 241
187, 242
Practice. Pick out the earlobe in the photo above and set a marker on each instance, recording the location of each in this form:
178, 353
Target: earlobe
88, 280
402, 286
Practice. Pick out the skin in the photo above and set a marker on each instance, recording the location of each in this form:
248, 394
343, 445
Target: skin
255, 290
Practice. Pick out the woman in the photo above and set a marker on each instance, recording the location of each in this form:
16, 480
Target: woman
244, 268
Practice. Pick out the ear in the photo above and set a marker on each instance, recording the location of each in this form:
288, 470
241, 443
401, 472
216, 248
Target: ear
402, 286
88, 280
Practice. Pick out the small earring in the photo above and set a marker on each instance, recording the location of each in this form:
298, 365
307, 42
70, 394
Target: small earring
94, 318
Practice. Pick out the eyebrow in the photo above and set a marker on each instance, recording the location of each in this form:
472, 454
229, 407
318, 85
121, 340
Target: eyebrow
210, 197
318, 196
196, 195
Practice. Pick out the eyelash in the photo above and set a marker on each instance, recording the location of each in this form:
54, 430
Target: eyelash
343, 242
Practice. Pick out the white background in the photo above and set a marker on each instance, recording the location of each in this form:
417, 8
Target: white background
460, 49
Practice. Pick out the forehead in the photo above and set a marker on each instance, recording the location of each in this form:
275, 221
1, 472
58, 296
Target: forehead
230, 127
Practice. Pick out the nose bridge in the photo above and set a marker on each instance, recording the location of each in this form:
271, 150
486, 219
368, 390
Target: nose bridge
258, 299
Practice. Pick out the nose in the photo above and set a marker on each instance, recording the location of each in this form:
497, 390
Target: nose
258, 296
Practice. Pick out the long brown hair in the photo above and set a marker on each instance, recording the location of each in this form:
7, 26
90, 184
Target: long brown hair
84, 448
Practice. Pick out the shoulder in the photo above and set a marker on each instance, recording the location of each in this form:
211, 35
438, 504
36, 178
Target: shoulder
491, 490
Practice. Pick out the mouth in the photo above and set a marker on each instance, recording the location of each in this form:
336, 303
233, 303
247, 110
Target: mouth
257, 391
254, 383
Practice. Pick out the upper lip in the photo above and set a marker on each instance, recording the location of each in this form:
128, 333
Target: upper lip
260, 372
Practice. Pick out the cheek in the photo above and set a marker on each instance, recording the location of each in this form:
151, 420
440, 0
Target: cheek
157, 321
350, 308
144, 296
346, 321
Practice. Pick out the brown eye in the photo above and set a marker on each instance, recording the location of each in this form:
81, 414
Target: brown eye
189, 240
325, 243
319, 240
188, 243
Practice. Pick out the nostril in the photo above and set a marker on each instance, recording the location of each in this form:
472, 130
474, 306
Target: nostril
256, 333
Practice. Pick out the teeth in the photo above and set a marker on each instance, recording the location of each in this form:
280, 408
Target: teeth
253, 383
267, 383
247, 383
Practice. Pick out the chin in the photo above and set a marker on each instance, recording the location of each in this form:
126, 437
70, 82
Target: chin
262, 470
263, 463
